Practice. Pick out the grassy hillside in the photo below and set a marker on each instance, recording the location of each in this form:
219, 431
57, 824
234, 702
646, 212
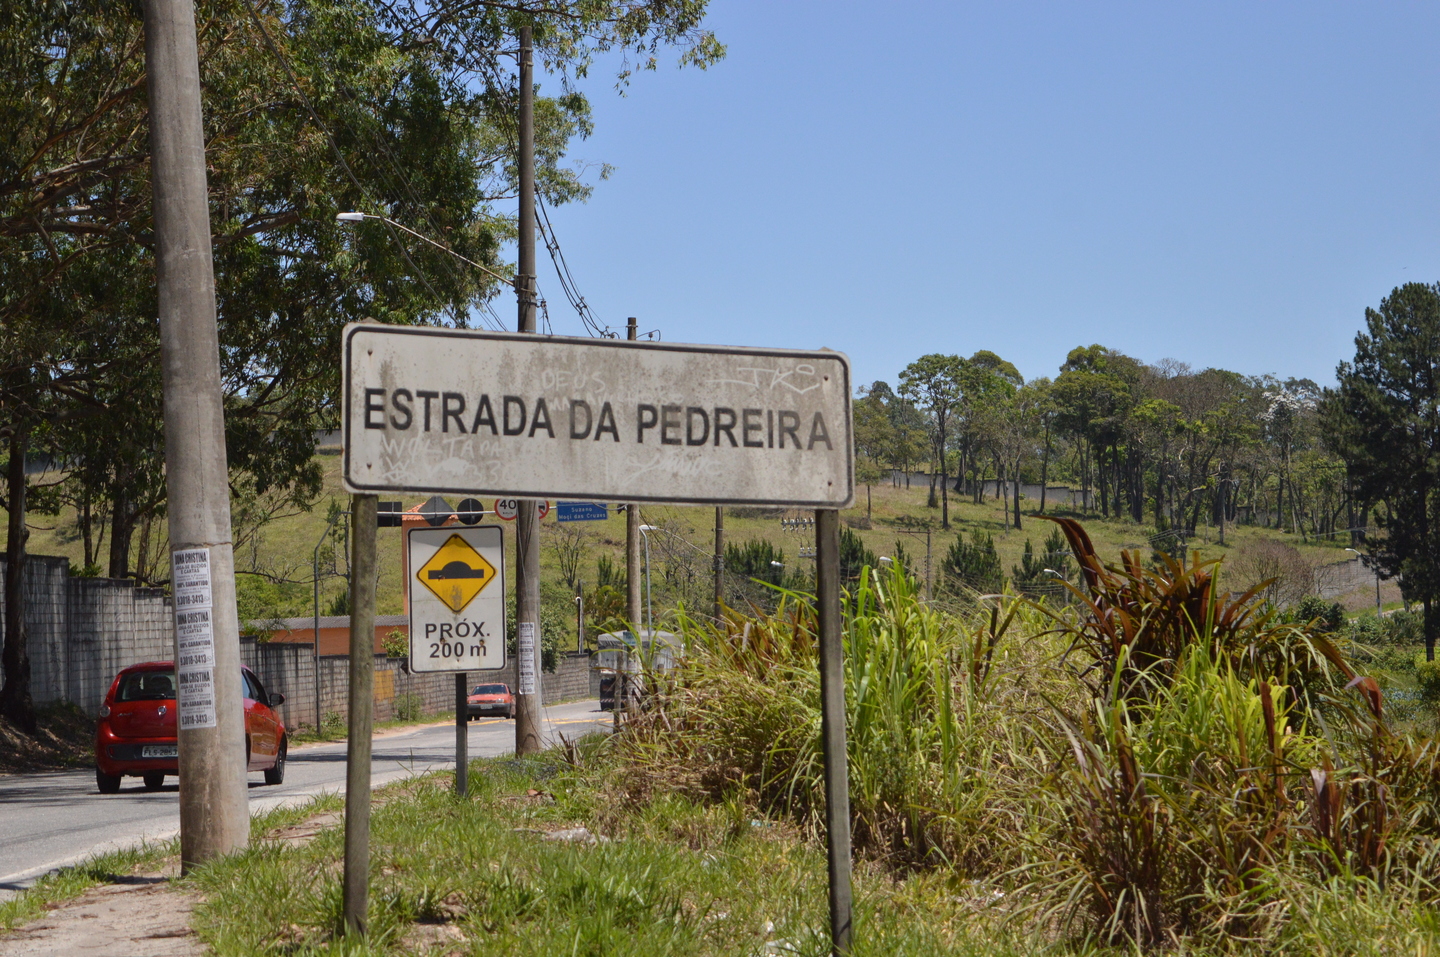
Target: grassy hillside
276, 559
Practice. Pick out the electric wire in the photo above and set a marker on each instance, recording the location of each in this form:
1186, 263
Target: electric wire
552, 242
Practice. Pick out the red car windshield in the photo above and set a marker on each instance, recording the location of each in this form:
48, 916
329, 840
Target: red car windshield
147, 686
490, 689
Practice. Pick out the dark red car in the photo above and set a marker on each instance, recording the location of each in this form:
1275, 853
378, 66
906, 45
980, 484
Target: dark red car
492, 699
136, 731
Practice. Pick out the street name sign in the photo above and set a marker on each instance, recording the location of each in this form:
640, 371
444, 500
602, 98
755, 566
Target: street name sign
581, 512
457, 598
468, 412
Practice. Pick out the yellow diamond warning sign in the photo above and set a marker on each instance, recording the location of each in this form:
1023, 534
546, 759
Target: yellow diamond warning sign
456, 573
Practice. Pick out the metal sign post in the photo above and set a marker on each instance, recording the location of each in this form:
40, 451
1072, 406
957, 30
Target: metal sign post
832, 724
356, 894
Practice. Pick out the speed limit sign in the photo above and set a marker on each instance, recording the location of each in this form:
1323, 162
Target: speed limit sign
508, 508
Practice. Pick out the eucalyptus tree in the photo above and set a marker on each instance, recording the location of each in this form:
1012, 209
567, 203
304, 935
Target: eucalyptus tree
933, 383
1095, 393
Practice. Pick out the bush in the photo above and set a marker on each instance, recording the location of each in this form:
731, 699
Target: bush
332, 725
1427, 676
1165, 767
409, 707
1291, 577
854, 556
756, 559
1329, 616
974, 566
1399, 628
1405, 627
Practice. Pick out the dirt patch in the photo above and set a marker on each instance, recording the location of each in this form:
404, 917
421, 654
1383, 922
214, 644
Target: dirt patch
140, 916
428, 936
298, 835
137, 916
65, 739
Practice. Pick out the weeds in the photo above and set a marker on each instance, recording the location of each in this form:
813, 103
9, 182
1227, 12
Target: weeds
1160, 763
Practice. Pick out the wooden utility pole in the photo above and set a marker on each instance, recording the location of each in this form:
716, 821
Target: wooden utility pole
214, 805
363, 520
527, 520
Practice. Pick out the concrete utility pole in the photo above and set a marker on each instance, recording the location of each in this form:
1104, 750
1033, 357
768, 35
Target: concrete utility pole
363, 510
632, 535
214, 809
719, 563
527, 521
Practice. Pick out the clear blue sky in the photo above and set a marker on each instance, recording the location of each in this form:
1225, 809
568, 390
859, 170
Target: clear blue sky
1226, 184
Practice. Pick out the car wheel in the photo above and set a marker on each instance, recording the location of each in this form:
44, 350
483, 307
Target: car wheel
107, 783
154, 780
276, 775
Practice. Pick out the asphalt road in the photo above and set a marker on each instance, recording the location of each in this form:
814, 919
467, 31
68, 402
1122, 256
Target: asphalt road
58, 818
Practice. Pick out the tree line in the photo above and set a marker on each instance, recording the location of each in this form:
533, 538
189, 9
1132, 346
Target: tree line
1163, 443
1157, 443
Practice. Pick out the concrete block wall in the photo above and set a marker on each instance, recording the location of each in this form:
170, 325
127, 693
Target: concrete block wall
82, 631
45, 622
289, 669
112, 624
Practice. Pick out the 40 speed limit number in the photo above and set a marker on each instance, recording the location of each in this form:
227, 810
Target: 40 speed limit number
456, 591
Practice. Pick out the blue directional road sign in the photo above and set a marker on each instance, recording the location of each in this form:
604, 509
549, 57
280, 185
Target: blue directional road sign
581, 511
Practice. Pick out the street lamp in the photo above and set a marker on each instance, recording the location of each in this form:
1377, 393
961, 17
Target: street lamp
361, 217
1358, 556
649, 608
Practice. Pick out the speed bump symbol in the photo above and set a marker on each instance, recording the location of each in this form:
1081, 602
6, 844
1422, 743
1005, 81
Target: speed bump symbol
456, 573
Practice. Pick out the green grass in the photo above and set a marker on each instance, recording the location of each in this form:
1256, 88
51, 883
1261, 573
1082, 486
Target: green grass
337, 730
676, 877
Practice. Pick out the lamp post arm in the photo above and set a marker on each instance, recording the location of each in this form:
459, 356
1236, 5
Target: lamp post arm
352, 217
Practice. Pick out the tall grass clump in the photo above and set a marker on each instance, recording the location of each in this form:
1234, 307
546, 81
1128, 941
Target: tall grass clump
1155, 763
929, 748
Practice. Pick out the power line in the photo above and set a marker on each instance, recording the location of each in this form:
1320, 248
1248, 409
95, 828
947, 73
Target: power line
567, 280
552, 243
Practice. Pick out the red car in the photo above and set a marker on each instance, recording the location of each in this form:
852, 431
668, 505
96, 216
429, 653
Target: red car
136, 731
493, 699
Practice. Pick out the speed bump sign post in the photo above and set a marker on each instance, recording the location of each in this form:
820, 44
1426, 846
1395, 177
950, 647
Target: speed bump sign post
457, 598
